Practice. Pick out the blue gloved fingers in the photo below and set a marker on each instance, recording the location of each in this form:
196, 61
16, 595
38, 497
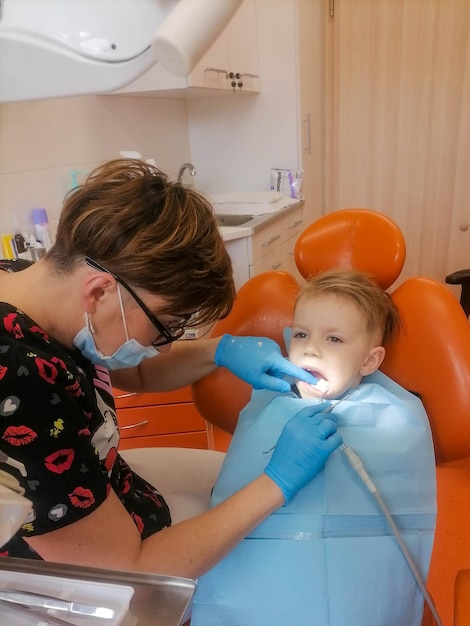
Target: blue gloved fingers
304, 446
334, 441
285, 367
258, 361
273, 378
326, 428
266, 381
316, 411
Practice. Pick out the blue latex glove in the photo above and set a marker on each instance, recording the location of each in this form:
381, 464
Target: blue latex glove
305, 443
259, 362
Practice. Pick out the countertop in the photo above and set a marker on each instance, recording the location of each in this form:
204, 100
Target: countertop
229, 233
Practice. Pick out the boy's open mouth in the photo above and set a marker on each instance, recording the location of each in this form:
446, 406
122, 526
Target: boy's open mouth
322, 384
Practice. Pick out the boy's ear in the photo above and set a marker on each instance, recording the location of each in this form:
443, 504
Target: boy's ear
373, 361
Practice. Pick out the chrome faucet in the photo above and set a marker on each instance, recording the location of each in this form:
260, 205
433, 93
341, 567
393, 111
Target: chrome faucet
186, 166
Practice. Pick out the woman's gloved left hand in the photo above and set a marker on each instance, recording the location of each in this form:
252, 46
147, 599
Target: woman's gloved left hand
259, 362
304, 446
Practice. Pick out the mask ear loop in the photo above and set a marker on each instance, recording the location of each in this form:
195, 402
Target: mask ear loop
122, 311
89, 323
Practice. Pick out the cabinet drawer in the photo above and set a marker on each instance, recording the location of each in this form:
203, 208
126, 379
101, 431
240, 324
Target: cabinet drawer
178, 440
275, 234
125, 399
265, 241
273, 261
159, 420
291, 224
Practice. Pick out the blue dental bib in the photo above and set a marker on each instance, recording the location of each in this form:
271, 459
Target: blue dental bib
329, 558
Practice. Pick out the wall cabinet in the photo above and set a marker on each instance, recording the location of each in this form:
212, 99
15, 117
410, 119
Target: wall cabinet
159, 419
231, 64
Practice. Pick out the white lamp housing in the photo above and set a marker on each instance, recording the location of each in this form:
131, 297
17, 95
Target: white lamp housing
189, 30
56, 48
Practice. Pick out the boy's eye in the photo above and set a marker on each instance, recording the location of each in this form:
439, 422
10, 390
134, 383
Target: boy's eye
334, 339
299, 335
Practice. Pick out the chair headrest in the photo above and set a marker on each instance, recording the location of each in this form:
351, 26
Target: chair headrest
361, 239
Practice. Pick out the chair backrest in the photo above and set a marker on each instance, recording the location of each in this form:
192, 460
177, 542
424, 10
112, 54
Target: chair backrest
431, 355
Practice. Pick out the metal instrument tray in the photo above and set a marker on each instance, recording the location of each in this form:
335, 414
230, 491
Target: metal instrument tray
155, 600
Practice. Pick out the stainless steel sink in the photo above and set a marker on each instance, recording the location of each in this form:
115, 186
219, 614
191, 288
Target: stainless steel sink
233, 220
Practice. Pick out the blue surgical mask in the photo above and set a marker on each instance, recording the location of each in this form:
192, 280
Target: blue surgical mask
130, 354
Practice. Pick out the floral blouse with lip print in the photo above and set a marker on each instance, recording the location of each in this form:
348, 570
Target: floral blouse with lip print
59, 434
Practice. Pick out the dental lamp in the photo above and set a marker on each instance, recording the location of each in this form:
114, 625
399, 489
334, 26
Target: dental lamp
58, 48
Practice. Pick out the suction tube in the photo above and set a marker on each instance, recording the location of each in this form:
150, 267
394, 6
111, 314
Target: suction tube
357, 465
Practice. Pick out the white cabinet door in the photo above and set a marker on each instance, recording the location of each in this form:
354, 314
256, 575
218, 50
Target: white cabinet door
238, 252
242, 42
235, 52
232, 62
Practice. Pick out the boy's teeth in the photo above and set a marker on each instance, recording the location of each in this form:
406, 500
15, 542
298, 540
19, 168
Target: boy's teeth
322, 385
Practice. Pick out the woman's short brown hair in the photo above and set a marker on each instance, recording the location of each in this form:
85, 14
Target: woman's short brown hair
377, 306
156, 235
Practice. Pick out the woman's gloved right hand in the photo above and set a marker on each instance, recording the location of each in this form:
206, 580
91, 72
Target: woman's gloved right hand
305, 443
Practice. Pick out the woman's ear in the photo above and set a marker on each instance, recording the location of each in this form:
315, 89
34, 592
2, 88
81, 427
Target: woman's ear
95, 287
373, 360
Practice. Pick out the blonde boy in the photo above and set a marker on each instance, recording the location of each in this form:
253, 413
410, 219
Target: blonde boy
328, 558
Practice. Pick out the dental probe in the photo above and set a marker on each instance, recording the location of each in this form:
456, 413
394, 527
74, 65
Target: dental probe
357, 465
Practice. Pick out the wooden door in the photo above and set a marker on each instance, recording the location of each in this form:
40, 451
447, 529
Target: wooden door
310, 17
398, 122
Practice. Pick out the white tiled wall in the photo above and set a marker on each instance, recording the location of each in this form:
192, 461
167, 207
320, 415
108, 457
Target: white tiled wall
42, 142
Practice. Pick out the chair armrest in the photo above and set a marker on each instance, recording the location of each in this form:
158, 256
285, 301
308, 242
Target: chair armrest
462, 277
458, 278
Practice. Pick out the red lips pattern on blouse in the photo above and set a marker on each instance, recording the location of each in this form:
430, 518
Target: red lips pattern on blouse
53, 412
60, 461
19, 435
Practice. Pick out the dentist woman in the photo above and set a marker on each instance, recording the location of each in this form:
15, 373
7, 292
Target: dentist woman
135, 259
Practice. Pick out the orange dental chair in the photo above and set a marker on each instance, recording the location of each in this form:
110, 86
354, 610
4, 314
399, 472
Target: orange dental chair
431, 356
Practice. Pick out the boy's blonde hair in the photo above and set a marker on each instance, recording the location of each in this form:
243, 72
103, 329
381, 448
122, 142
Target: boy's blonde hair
379, 310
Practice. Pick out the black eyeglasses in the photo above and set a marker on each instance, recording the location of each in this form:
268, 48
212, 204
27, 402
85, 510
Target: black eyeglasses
166, 334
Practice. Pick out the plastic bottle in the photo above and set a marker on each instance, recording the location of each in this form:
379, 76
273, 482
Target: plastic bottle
36, 248
41, 226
